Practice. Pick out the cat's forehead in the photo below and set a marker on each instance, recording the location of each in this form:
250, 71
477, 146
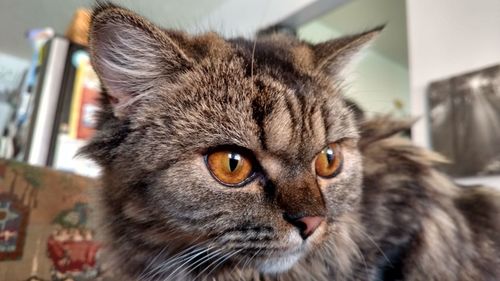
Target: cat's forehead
283, 57
276, 63
261, 96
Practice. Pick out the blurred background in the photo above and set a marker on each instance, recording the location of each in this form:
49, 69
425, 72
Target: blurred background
437, 60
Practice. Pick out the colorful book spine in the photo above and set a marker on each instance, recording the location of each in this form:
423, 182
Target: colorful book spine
84, 103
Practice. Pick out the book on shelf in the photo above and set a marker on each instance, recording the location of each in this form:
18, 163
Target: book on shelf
64, 107
86, 92
46, 101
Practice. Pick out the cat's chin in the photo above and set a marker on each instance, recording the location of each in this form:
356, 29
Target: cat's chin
284, 262
280, 264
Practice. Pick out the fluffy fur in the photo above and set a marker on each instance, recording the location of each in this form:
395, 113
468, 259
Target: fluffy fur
172, 97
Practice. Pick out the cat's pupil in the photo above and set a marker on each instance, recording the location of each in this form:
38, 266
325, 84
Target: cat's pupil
330, 155
234, 160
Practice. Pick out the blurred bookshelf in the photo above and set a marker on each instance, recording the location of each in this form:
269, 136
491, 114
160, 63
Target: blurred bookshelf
64, 108
56, 104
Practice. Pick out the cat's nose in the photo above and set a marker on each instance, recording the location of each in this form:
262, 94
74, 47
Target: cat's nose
306, 225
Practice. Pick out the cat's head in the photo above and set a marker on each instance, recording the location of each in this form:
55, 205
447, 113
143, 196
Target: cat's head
242, 148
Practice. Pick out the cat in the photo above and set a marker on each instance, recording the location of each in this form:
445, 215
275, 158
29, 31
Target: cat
242, 160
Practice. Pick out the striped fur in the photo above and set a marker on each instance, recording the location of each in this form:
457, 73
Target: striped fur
171, 97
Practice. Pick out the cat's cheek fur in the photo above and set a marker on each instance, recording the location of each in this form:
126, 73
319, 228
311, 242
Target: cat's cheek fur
342, 193
188, 190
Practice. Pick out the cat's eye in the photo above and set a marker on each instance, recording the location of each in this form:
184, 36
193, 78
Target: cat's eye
328, 162
229, 167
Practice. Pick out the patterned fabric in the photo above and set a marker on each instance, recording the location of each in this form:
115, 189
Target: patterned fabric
45, 232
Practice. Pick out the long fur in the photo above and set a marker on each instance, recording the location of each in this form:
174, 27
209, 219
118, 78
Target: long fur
171, 98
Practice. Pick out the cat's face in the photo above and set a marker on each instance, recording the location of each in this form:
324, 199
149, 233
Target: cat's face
244, 150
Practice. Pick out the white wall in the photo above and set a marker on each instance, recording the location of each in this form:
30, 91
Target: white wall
446, 38
375, 82
235, 18
11, 72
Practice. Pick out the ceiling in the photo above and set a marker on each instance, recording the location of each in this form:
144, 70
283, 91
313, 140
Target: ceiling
16, 17
230, 17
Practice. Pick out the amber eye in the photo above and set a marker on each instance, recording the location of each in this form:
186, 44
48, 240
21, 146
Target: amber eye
329, 161
229, 167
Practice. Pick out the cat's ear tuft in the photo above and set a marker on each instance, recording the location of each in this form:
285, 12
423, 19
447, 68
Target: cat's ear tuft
132, 56
335, 55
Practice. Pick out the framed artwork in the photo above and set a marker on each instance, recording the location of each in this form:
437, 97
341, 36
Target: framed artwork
45, 228
465, 122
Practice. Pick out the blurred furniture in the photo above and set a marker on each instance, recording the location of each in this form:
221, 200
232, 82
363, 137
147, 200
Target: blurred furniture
46, 231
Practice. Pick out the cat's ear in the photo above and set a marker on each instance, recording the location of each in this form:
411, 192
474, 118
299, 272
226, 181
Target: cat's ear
131, 55
335, 55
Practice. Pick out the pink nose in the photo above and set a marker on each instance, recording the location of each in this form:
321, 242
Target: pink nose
307, 225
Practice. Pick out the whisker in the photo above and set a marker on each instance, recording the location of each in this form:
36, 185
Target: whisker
366, 235
252, 61
163, 268
184, 262
218, 262
250, 259
178, 258
202, 261
146, 270
360, 254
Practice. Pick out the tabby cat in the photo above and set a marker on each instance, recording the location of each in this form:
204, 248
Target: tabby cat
241, 160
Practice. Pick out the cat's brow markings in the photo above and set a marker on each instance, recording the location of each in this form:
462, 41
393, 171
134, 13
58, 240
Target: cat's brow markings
279, 129
261, 111
317, 122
